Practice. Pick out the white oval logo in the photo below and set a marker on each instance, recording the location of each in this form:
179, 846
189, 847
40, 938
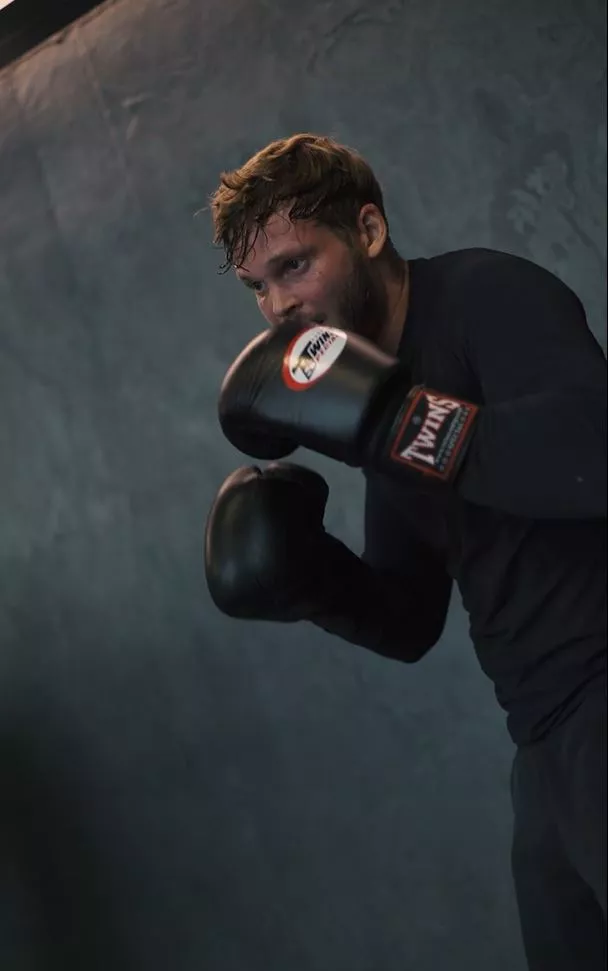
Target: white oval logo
310, 355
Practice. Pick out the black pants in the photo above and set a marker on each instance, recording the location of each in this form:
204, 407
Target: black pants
558, 787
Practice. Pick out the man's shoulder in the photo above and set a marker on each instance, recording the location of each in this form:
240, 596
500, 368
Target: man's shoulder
475, 266
477, 281
478, 261
472, 255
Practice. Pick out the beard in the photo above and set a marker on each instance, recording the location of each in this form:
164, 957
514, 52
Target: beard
363, 302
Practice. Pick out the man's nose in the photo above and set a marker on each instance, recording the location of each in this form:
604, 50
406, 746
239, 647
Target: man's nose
284, 305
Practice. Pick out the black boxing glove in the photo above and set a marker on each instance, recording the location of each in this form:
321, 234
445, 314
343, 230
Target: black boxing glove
263, 542
336, 393
268, 557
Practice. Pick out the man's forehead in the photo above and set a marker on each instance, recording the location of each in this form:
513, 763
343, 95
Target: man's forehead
279, 237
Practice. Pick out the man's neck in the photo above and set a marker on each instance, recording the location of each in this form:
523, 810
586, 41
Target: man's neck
398, 293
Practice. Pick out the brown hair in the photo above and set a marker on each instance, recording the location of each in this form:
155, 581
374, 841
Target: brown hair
311, 176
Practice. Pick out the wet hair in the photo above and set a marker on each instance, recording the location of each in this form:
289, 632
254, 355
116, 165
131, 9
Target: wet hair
307, 176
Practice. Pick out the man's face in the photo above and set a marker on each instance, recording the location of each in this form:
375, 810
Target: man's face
303, 273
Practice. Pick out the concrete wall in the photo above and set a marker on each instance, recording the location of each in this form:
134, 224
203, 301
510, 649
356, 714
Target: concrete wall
180, 792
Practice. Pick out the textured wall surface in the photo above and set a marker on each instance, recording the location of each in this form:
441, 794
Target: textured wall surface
181, 792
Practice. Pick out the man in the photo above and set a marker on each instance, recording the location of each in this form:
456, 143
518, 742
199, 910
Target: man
470, 391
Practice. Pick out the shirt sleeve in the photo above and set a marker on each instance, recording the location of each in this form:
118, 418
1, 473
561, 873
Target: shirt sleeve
394, 599
539, 449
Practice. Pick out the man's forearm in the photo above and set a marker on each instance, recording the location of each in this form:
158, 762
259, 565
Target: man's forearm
376, 610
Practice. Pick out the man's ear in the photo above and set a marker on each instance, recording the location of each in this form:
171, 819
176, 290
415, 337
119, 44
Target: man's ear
373, 230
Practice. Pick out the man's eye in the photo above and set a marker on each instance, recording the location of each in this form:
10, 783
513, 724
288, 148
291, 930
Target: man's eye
293, 265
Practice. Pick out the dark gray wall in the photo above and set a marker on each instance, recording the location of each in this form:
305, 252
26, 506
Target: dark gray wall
182, 792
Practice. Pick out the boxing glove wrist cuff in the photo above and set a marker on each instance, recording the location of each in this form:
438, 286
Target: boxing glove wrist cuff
430, 435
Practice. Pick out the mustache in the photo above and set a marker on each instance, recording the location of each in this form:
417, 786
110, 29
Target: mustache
297, 321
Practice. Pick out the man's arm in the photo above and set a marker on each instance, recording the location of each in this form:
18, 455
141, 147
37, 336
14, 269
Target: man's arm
533, 446
394, 599
539, 445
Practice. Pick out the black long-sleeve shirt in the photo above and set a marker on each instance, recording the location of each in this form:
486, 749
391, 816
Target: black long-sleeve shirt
522, 531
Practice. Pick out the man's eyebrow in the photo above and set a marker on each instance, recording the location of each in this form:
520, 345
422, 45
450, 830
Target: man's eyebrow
274, 261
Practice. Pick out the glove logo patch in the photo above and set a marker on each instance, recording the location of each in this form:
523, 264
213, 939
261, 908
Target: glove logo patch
433, 434
310, 355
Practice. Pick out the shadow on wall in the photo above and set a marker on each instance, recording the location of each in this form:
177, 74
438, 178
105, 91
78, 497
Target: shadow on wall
66, 921
28, 23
